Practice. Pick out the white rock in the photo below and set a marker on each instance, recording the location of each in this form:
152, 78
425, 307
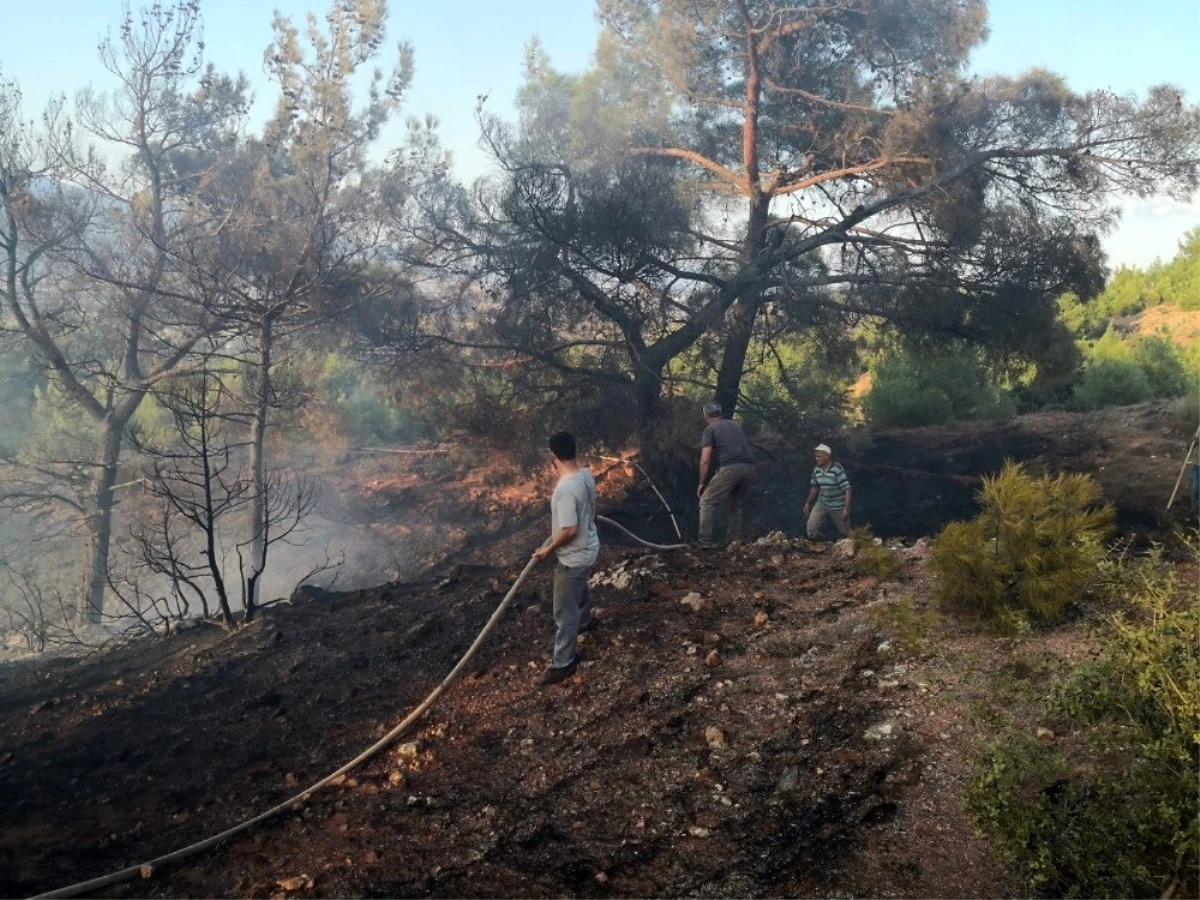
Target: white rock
919, 550
697, 831
693, 601
884, 650
882, 731
715, 737
845, 548
774, 539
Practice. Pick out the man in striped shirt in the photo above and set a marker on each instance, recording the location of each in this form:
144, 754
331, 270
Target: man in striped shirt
829, 497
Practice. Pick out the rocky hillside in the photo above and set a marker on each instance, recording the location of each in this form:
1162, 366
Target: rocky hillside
765, 720
760, 721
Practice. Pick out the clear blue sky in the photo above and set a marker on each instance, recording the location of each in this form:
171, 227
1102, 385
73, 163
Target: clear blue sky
469, 47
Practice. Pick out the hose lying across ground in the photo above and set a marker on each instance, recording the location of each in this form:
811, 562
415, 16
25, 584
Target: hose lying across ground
147, 869
629, 534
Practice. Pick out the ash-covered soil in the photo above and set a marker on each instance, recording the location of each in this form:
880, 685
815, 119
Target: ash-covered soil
406, 517
759, 721
738, 727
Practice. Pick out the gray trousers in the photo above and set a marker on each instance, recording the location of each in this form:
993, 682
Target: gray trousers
732, 481
819, 515
572, 610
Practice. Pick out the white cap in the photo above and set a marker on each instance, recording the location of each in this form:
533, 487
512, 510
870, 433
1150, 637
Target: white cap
823, 448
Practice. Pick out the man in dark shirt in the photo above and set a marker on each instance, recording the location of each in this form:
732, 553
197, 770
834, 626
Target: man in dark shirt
725, 449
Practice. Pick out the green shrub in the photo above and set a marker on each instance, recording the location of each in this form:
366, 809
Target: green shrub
1122, 372
1066, 836
874, 559
970, 574
1162, 365
901, 400
801, 390
360, 404
1112, 382
1126, 823
920, 386
1035, 546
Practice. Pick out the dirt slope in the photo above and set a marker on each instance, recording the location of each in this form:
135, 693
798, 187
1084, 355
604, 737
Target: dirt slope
616, 783
838, 768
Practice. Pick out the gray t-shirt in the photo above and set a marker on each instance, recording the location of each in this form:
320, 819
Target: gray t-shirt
729, 442
574, 503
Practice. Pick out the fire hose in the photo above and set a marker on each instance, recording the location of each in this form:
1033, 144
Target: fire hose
148, 869
629, 534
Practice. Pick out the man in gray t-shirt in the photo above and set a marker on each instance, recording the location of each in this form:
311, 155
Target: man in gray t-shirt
574, 539
723, 447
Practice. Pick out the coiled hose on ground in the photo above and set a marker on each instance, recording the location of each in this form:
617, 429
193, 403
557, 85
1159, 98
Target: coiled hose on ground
148, 869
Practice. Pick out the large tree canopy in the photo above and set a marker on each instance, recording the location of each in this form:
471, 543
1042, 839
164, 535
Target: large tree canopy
814, 161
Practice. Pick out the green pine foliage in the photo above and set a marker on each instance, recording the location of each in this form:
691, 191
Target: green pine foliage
924, 386
1131, 290
1034, 548
1122, 372
798, 390
872, 557
1178, 282
1122, 367
1112, 382
1162, 365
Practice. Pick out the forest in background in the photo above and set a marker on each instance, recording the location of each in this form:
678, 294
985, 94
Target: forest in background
808, 213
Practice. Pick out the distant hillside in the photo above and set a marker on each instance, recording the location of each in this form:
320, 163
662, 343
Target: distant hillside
1183, 325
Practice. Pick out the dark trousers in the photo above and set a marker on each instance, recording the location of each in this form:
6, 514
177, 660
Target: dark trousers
732, 481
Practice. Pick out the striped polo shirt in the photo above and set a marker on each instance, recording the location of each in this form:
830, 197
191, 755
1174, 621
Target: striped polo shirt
831, 484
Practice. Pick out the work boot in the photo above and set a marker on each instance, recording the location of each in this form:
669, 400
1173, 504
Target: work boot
561, 673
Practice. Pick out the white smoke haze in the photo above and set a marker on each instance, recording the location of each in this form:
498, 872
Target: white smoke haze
40, 555
380, 517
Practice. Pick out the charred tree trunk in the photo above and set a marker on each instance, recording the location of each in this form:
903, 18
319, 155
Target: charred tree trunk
99, 523
647, 390
745, 313
668, 463
258, 466
733, 358
211, 551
